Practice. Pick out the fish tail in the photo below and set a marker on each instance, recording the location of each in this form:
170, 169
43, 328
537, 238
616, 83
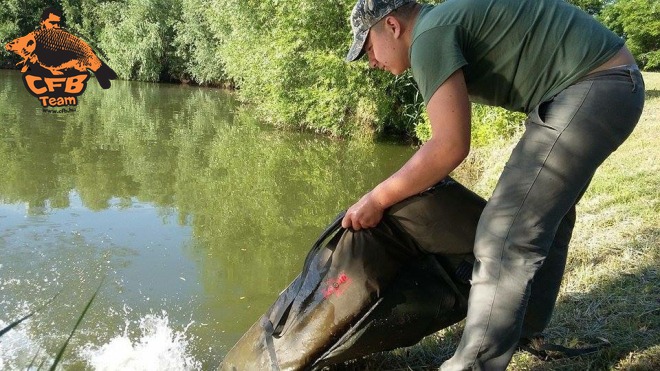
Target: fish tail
104, 74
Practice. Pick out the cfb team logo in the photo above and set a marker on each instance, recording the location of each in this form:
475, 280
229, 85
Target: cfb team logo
56, 64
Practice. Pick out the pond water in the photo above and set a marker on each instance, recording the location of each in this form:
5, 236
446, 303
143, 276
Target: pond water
190, 215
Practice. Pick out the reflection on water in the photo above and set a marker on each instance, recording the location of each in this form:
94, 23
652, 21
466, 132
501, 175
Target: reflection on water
197, 215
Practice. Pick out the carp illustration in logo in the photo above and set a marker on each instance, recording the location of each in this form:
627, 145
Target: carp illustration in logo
56, 64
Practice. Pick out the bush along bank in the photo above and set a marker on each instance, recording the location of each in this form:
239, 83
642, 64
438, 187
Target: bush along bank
284, 56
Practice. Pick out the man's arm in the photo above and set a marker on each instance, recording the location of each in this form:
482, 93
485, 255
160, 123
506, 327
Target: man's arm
449, 113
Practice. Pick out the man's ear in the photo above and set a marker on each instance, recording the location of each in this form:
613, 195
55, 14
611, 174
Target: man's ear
393, 26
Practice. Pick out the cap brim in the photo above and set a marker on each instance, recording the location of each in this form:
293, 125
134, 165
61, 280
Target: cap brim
357, 49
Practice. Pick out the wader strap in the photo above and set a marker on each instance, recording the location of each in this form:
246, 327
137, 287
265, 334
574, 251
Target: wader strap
351, 331
449, 281
332, 228
297, 287
270, 345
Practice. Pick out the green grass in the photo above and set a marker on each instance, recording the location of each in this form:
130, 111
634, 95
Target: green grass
611, 288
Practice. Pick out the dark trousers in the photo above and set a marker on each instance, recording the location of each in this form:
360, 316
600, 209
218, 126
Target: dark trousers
523, 234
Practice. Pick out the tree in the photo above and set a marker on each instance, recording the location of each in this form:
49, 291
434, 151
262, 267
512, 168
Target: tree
638, 21
592, 7
137, 36
196, 44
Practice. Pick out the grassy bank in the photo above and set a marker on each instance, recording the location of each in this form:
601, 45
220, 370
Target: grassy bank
611, 288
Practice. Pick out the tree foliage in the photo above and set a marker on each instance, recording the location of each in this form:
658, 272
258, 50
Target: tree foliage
287, 56
196, 44
592, 7
138, 36
638, 21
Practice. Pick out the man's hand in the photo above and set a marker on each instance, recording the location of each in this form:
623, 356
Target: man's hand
365, 213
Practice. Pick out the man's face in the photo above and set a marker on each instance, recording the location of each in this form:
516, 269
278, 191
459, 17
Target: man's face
52, 21
385, 50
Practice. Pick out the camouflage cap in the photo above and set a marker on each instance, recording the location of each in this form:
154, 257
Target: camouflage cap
367, 13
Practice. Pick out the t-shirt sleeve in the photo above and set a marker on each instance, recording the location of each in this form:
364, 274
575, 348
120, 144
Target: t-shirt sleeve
435, 55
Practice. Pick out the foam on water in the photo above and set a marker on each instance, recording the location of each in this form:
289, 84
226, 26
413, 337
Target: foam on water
157, 347
154, 345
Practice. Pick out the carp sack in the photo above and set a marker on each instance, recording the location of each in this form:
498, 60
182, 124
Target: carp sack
371, 290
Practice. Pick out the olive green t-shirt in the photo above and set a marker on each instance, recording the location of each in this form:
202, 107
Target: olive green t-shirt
514, 53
